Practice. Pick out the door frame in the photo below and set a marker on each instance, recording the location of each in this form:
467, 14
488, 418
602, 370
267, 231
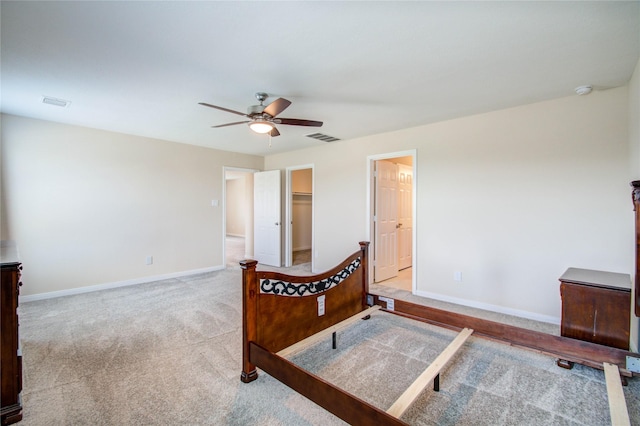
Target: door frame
226, 169
371, 208
288, 212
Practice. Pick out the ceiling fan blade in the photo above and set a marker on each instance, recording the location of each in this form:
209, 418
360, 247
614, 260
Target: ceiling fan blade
298, 122
274, 133
231, 124
223, 109
277, 106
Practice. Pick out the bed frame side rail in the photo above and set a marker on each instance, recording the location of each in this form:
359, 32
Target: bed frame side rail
333, 399
582, 352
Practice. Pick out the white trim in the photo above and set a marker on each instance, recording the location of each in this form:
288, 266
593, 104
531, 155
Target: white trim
490, 307
116, 284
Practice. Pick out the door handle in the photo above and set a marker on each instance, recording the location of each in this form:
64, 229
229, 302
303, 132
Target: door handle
277, 223
398, 225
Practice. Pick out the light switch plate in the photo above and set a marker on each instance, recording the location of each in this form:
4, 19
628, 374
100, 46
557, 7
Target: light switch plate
633, 364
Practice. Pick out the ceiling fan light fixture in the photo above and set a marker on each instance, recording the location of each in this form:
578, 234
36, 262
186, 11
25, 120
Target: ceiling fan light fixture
261, 126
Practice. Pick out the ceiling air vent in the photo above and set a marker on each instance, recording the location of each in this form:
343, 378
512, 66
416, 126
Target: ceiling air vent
322, 137
55, 101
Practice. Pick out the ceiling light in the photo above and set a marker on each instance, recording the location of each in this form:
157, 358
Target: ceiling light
583, 90
259, 125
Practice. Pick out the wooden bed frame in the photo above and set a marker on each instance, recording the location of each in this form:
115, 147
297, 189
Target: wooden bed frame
283, 314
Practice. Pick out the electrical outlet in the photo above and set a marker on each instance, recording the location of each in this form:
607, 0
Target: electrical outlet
633, 364
149, 260
457, 276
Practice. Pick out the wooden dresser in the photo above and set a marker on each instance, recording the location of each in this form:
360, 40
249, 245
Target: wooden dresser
596, 306
635, 196
10, 355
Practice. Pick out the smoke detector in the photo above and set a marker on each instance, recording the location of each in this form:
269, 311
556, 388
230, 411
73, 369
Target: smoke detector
583, 90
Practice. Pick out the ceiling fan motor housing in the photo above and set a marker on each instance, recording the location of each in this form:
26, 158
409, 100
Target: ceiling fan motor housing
255, 110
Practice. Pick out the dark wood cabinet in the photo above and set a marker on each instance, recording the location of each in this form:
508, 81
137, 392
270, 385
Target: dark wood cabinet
596, 306
10, 355
635, 196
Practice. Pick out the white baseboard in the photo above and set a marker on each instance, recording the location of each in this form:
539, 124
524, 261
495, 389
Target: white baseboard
301, 248
492, 308
116, 284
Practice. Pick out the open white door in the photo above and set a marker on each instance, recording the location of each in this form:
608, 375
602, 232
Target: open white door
405, 216
266, 215
386, 219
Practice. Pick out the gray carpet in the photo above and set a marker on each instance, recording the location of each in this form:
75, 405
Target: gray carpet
169, 353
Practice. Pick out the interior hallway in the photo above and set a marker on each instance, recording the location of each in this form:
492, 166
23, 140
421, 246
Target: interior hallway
235, 250
403, 281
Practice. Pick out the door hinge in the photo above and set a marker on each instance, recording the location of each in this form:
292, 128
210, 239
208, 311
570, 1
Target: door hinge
375, 218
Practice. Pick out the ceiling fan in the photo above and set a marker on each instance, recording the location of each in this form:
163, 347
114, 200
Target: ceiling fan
262, 119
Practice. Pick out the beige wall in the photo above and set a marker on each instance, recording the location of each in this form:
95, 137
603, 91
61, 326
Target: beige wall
88, 206
509, 198
4, 229
236, 205
634, 148
302, 181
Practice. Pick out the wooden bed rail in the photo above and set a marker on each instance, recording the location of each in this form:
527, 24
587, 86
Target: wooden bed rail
617, 403
581, 352
409, 396
333, 399
315, 338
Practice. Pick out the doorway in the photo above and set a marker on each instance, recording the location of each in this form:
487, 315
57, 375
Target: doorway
237, 215
391, 220
299, 216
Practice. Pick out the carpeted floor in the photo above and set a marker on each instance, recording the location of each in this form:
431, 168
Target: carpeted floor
169, 353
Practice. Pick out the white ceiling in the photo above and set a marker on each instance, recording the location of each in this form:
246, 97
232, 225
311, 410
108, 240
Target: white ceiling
361, 67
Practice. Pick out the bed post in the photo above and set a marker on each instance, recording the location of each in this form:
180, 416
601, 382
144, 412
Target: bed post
364, 250
249, 317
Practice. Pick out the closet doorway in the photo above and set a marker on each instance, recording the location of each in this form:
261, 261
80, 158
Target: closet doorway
392, 230
299, 216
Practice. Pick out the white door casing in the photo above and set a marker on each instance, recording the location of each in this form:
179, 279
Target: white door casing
386, 219
405, 216
267, 217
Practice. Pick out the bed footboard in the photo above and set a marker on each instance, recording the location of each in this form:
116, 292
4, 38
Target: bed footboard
280, 310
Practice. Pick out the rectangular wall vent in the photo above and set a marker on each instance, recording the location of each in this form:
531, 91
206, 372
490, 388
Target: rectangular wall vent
55, 101
322, 137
